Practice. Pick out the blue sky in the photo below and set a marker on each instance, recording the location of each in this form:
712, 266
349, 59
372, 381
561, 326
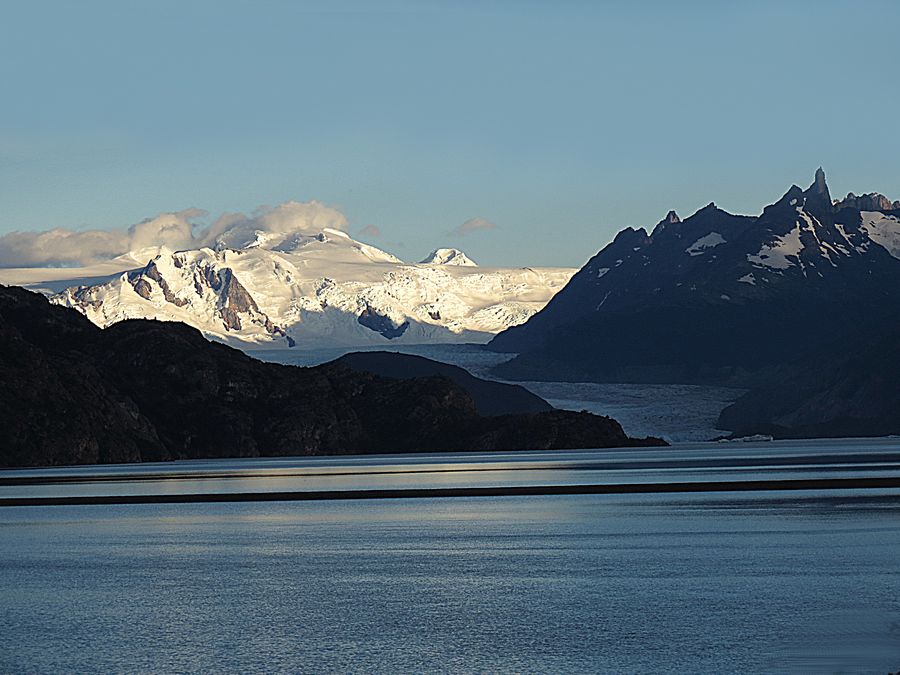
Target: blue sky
559, 122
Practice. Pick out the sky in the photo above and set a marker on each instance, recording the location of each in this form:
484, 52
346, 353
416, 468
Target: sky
525, 133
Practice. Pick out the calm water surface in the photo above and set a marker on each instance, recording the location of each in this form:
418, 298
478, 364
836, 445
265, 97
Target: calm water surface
728, 582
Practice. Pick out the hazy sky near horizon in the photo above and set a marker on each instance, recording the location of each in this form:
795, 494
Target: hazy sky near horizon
558, 122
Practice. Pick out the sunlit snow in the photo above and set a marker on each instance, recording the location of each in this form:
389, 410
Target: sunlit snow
313, 288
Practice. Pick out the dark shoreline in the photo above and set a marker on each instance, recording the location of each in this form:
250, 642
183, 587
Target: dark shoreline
509, 491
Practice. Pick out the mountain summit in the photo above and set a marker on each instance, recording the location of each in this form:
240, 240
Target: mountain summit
719, 297
448, 256
819, 186
317, 287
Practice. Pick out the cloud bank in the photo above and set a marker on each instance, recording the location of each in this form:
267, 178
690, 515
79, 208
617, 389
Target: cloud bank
62, 247
472, 225
235, 230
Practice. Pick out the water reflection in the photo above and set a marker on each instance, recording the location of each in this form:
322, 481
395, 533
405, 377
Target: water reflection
710, 462
693, 583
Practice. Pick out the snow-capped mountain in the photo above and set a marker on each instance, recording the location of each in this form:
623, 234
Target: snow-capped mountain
718, 296
260, 289
448, 256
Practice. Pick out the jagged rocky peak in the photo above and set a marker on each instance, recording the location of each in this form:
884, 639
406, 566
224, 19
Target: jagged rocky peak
632, 237
448, 256
818, 193
872, 201
670, 219
819, 185
793, 196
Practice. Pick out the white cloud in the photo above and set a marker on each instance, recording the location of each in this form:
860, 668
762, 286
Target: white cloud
236, 230
176, 230
472, 225
173, 230
59, 247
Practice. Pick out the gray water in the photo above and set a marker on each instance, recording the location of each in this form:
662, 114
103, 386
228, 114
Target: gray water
727, 582
551, 585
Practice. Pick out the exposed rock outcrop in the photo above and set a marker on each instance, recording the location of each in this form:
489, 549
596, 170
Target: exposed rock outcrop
872, 201
373, 320
152, 272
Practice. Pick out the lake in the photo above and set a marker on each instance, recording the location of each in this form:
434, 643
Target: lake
786, 580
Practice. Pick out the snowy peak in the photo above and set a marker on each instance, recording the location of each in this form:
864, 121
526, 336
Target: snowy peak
331, 243
320, 288
448, 256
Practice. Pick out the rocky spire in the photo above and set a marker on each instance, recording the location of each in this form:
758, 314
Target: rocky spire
819, 187
670, 219
816, 197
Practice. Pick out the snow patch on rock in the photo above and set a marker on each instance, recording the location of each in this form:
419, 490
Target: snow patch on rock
883, 229
778, 254
703, 244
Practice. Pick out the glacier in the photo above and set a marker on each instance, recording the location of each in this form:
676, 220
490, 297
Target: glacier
306, 288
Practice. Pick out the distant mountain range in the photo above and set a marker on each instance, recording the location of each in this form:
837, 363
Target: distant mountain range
310, 288
149, 390
722, 298
800, 304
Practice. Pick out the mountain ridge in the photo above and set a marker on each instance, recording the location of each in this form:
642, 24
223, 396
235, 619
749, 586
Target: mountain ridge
280, 290
716, 297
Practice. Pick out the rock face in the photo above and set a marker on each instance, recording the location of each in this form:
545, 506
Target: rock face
146, 390
719, 298
381, 324
872, 201
855, 392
